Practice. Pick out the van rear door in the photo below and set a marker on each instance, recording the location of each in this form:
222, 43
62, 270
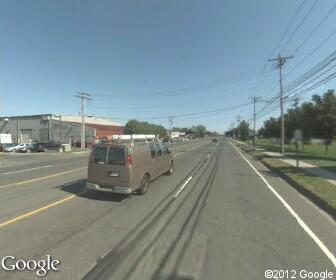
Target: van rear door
117, 169
97, 161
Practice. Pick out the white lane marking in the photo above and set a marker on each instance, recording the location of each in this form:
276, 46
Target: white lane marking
178, 154
25, 170
183, 186
305, 227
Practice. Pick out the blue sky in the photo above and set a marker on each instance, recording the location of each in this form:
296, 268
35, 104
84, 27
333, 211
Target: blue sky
160, 58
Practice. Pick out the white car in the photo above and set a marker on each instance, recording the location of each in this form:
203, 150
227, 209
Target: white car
16, 147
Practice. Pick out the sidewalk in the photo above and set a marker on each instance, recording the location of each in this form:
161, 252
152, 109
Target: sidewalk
309, 168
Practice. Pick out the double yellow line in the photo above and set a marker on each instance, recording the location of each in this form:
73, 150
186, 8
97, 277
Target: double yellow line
43, 208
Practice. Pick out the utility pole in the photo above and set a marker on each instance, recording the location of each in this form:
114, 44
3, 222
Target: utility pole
170, 127
255, 100
61, 127
83, 97
280, 61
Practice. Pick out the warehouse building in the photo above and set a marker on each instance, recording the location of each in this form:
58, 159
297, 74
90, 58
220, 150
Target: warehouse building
58, 128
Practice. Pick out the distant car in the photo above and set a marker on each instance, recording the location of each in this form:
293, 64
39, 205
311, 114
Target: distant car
27, 148
3, 147
215, 140
15, 147
45, 146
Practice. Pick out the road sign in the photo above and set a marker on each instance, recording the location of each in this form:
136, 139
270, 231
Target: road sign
298, 135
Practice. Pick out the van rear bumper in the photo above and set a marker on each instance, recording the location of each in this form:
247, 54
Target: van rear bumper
112, 189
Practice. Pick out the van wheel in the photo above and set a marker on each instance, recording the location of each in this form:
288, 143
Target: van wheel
171, 169
144, 185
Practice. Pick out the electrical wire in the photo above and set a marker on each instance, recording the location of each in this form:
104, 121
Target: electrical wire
301, 81
312, 52
315, 29
184, 90
299, 25
201, 113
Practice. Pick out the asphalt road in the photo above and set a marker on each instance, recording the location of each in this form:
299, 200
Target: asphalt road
216, 217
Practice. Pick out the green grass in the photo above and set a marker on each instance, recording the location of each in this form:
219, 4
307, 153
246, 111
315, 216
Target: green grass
312, 185
319, 187
312, 153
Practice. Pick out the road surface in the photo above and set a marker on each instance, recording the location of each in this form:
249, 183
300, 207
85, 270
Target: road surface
217, 217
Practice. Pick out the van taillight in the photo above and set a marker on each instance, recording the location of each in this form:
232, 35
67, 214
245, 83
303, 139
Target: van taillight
129, 160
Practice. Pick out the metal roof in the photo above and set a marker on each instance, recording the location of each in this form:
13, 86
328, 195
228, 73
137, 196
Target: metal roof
68, 118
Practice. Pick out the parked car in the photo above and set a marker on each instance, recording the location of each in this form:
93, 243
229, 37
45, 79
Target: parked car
128, 167
27, 148
15, 147
215, 140
3, 147
45, 146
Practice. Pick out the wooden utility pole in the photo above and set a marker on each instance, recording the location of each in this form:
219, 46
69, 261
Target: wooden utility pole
255, 100
83, 97
280, 61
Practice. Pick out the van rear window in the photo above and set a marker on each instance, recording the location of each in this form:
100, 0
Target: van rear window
99, 154
116, 156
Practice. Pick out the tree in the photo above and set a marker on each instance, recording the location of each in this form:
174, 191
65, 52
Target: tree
316, 118
243, 129
326, 107
199, 131
139, 127
272, 128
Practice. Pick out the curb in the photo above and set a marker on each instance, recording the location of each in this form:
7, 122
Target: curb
301, 189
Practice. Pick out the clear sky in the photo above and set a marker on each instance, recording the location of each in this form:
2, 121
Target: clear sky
158, 57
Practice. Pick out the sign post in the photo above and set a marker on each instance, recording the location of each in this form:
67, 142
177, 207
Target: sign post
297, 138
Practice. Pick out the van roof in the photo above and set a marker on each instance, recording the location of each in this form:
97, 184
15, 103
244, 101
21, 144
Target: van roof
123, 143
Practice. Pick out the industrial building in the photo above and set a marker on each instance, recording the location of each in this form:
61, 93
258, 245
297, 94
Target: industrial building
58, 128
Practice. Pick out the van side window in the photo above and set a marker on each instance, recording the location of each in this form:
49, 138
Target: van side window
164, 148
158, 149
99, 154
152, 149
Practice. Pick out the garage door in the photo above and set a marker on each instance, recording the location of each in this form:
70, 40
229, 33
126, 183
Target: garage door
26, 135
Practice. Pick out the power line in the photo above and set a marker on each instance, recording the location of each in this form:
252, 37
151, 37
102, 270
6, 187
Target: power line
202, 100
315, 29
292, 20
299, 25
313, 51
312, 87
306, 76
200, 114
298, 9
288, 27
171, 92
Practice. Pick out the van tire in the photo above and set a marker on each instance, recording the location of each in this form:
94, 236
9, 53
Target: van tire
144, 184
170, 171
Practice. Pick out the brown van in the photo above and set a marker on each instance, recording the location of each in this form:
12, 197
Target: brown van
128, 167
